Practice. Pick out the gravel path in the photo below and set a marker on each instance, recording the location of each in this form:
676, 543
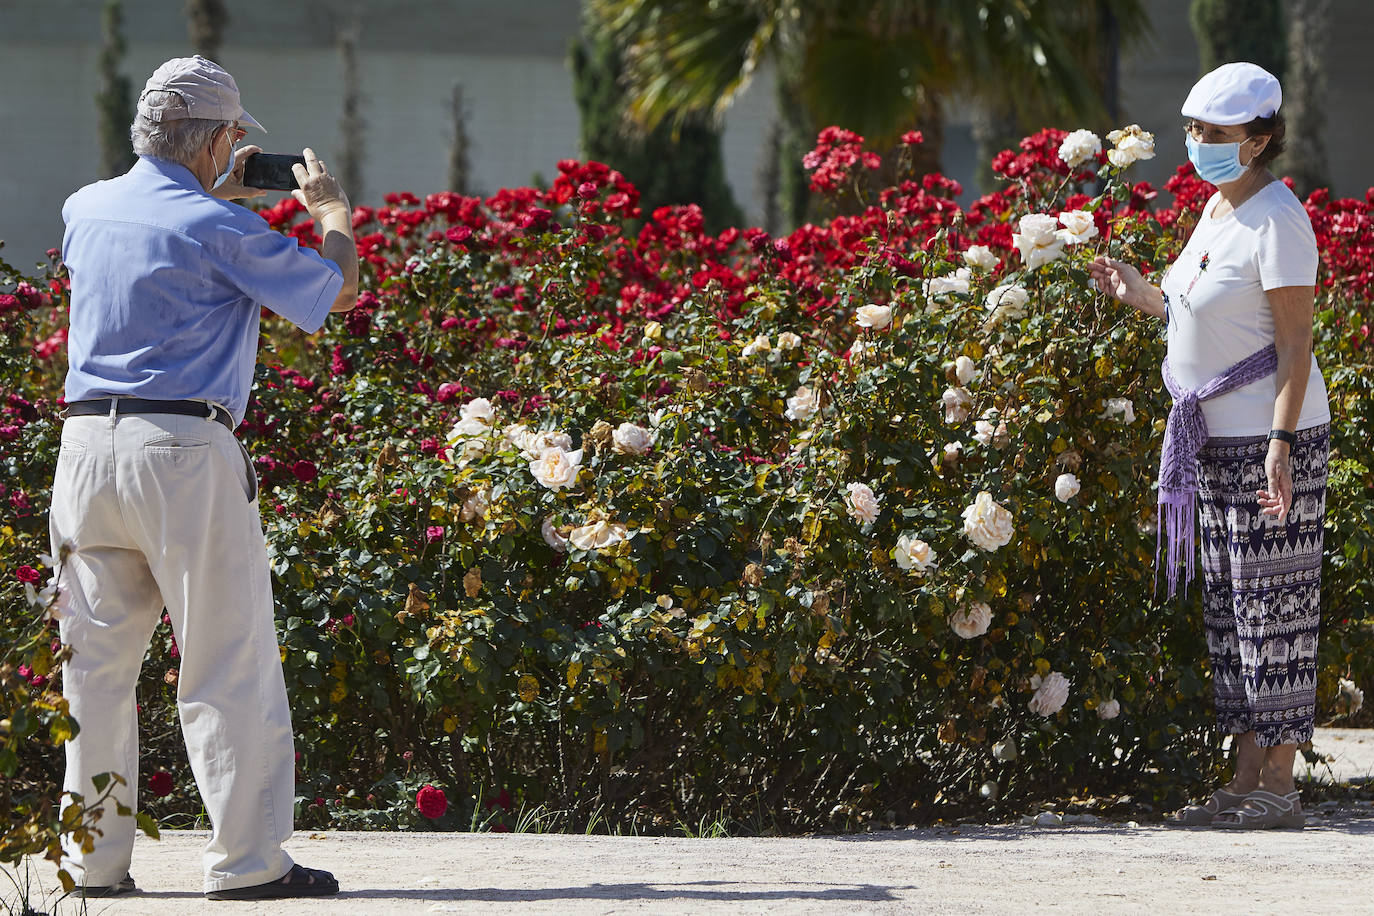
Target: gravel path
993, 869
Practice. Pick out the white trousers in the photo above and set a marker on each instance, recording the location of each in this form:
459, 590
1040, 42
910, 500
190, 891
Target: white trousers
163, 512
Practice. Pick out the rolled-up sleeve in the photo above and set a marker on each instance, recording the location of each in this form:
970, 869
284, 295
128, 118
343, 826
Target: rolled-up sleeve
278, 273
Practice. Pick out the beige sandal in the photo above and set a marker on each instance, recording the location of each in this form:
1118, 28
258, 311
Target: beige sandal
1202, 815
1264, 810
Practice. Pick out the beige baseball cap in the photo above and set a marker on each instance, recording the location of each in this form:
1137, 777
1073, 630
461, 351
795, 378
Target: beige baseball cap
202, 89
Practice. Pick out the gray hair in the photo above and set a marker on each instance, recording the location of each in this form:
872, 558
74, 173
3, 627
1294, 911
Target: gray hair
179, 139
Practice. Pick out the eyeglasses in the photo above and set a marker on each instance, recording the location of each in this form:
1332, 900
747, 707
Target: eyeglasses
1196, 130
237, 133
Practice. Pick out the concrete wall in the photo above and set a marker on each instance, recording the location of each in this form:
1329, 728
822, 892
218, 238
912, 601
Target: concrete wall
510, 56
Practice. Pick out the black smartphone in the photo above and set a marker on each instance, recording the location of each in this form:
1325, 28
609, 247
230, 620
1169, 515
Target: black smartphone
271, 171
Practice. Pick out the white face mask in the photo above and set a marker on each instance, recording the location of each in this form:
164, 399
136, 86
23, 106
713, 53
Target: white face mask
222, 177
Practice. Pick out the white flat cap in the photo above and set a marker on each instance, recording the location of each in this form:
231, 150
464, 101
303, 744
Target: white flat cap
1234, 94
200, 88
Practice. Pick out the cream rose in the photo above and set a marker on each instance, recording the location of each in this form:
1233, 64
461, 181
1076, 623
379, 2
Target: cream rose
789, 341
629, 439
958, 404
803, 405
914, 555
478, 409
476, 505
557, 468
552, 537
971, 620
1066, 487
1038, 241
987, 524
983, 431
951, 452
981, 257
597, 535
1122, 407
758, 345
536, 443
1108, 709
1131, 145
1051, 693
965, 369
1079, 226
957, 282
861, 503
875, 317
1078, 147
1007, 301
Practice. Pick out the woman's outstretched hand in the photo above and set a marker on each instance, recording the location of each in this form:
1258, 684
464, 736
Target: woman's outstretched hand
1124, 283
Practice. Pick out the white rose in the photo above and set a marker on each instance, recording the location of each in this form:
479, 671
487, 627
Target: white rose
536, 443
971, 620
1008, 301
1109, 709
597, 535
1066, 487
1131, 145
517, 434
914, 555
876, 317
951, 452
859, 348
476, 505
556, 468
1050, 693
1122, 406
552, 537
1038, 241
1349, 698
957, 282
465, 429
958, 404
803, 405
629, 439
983, 431
981, 257
1004, 751
789, 341
759, 344
965, 369
861, 503
1079, 226
1078, 147
987, 524
478, 409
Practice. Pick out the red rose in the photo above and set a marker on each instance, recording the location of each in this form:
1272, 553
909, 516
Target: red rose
28, 574
304, 470
434, 533
160, 783
431, 802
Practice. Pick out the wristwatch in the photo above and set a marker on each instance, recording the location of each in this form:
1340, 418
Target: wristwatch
1284, 435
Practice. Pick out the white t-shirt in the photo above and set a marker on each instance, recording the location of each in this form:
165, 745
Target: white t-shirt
1218, 313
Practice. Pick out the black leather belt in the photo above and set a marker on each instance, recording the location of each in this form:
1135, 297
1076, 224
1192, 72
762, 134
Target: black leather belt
101, 407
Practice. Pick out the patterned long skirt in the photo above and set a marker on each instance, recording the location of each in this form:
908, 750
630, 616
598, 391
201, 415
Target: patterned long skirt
1262, 586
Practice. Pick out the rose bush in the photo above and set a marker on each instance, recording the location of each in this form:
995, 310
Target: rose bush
543, 533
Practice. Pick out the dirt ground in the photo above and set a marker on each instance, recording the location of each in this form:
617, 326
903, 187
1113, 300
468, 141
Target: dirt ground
980, 869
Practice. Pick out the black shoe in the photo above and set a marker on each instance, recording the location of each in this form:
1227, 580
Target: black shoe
125, 886
298, 882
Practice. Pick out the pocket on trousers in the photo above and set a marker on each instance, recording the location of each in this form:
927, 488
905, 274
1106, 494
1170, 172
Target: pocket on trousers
250, 488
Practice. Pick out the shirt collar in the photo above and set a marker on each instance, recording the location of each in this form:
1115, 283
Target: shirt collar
173, 171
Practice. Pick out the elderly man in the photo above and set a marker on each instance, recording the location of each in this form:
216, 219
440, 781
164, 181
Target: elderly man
158, 497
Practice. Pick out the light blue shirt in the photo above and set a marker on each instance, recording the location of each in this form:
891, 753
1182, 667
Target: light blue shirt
168, 284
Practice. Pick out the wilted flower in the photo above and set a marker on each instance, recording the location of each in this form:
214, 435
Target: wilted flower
1038, 241
1066, 487
971, 620
1079, 226
533, 445
597, 535
803, 405
1007, 301
981, 257
957, 282
1108, 709
1121, 406
629, 439
787, 340
958, 404
1132, 145
552, 537
476, 505
875, 317
556, 468
987, 524
1078, 147
759, 344
1051, 692
861, 503
965, 369
1349, 698
914, 554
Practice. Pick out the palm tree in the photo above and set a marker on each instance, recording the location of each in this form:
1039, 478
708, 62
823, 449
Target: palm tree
879, 67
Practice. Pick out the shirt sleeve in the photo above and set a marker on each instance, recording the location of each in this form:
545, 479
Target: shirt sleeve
280, 274
1287, 249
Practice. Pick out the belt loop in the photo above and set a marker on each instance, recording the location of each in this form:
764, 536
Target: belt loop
114, 410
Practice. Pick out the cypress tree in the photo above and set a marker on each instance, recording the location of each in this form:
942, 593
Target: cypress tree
1308, 33
114, 100
1240, 30
459, 154
351, 127
667, 166
205, 22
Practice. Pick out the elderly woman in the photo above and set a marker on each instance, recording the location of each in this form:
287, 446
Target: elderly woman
1246, 438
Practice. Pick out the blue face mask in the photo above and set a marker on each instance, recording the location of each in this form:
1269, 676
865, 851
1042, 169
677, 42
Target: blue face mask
1217, 163
222, 177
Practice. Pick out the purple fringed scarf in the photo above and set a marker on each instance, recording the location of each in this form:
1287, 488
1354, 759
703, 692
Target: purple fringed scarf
1184, 435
